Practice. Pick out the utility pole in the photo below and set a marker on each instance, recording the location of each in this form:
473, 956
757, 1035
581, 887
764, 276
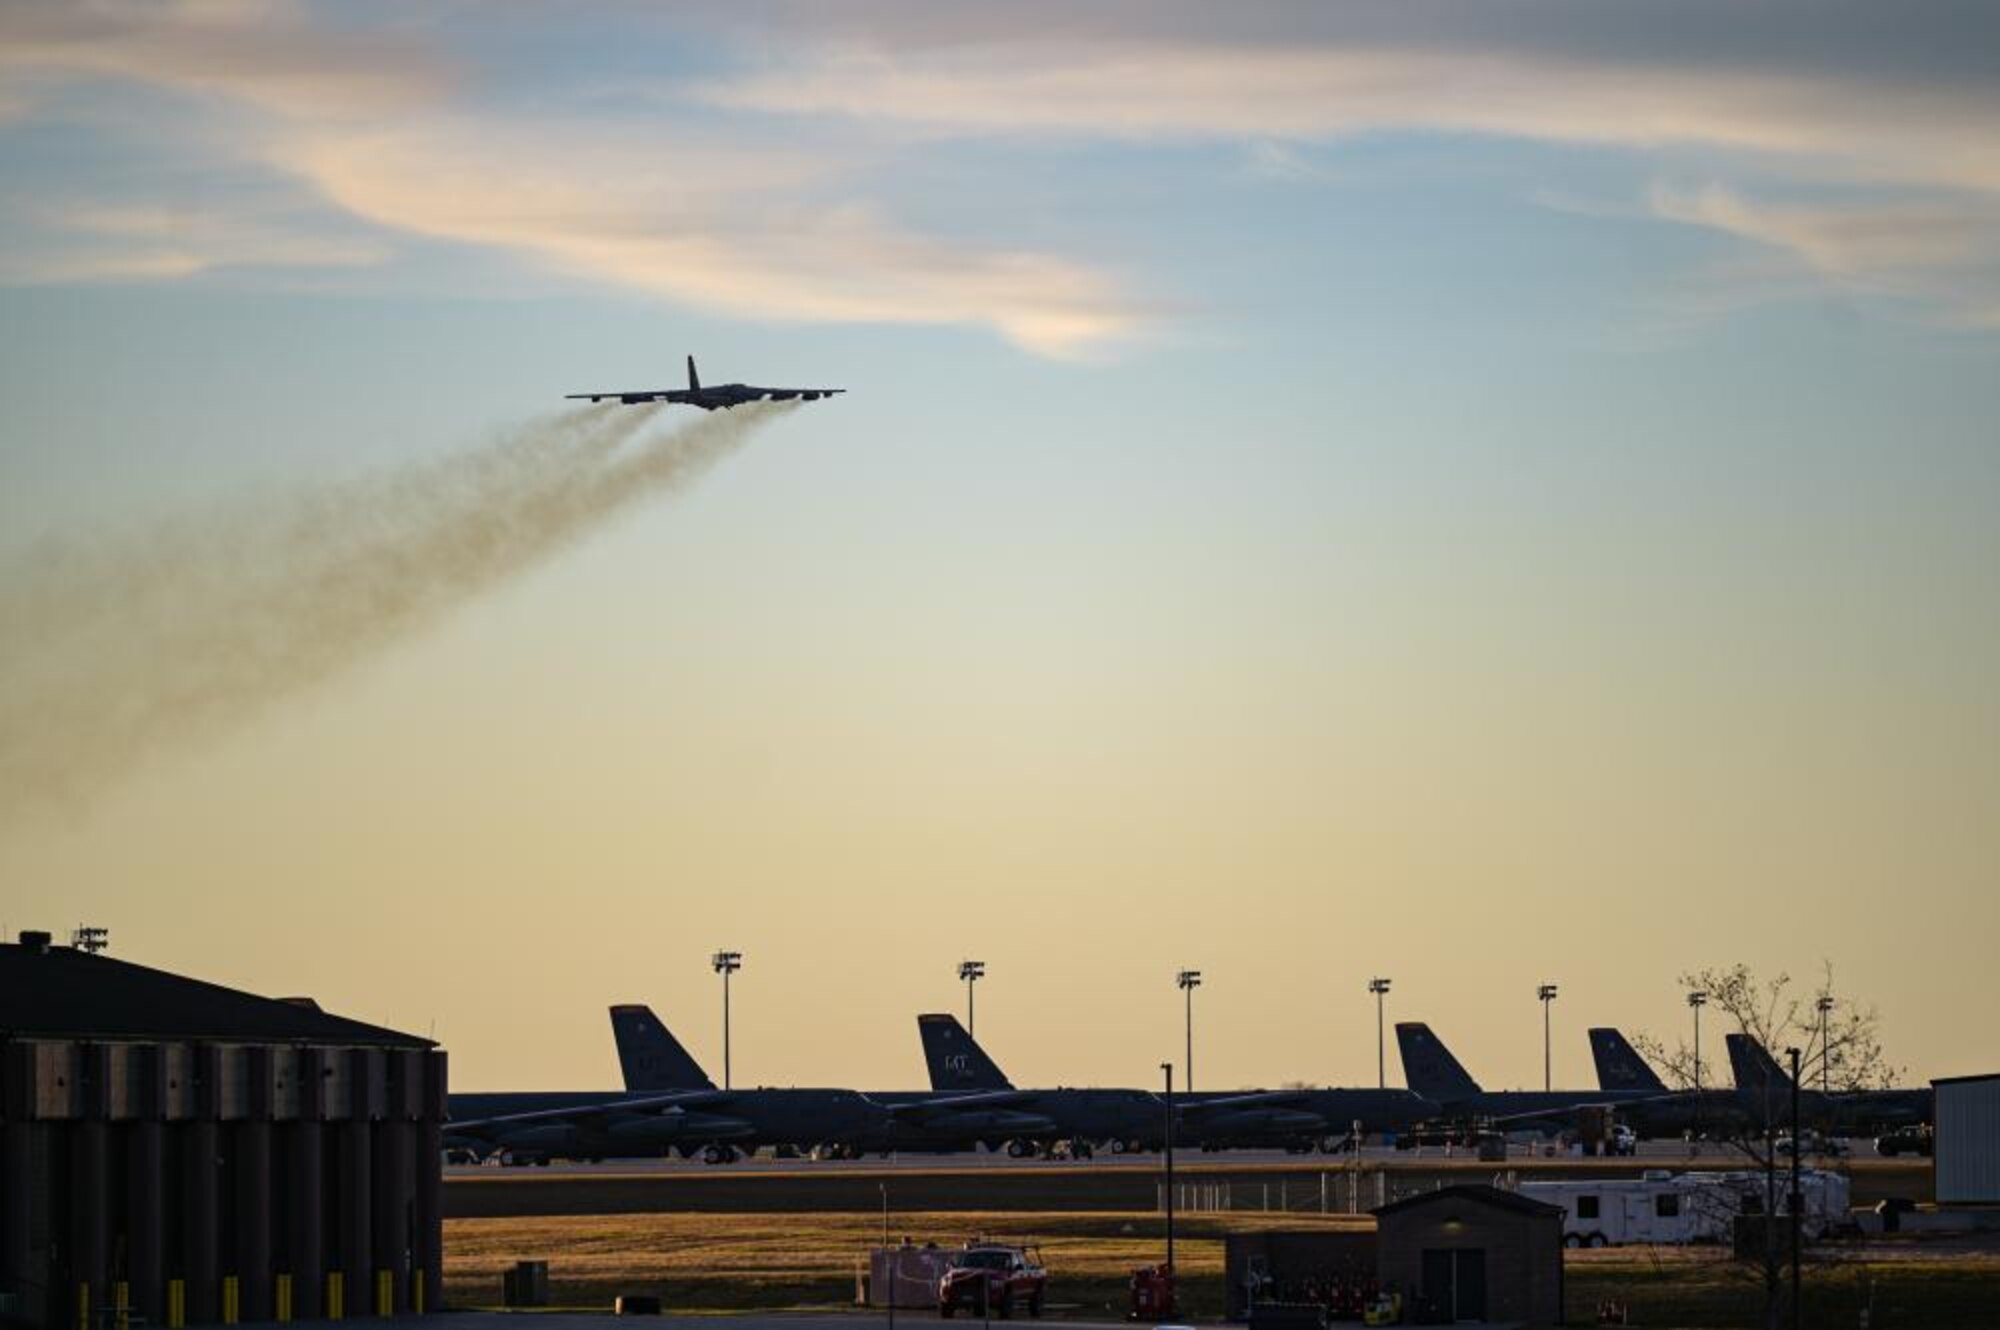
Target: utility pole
1825, 1005
1189, 980
971, 972
1547, 993
1379, 986
726, 963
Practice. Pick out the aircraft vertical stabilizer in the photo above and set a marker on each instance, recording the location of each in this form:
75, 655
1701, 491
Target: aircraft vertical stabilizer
1428, 1066
955, 1059
651, 1058
1619, 1066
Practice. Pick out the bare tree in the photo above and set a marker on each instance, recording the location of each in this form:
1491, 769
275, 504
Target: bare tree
1839, 1048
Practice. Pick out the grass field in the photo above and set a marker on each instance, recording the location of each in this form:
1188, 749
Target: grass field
735, 1262
496, 1193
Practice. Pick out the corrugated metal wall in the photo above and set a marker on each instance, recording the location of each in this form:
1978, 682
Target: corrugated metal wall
1968, 1142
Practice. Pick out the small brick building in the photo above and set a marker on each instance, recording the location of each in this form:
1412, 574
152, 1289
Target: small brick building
1473, 1253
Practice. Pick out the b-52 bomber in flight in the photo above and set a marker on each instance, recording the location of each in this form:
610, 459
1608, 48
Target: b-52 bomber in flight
718, 397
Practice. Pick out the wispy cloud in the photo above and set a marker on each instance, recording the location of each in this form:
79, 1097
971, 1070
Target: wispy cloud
273, 54
700, 193
1942, 252
744, 234
379, 129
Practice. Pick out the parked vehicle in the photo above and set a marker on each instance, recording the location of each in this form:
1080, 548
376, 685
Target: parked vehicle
1911, 1140
991, 1277
1666, 1207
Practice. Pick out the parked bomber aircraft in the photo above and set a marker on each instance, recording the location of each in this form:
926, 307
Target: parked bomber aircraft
1300, 1120
670, 1104
718, 397
1761, 1095
1765, 1089
1432, 1071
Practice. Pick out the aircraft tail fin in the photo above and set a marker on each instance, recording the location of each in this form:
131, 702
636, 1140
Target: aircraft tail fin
651, 1058
1428, 1066
1619, 1066
694, 379
955, 1059
1755, 1070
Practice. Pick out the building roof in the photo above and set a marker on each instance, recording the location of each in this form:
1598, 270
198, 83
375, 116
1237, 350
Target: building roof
1478, 1193
60, 992
1966, 1080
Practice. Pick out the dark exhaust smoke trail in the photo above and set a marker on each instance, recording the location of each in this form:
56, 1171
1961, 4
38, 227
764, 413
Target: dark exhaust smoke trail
152, 644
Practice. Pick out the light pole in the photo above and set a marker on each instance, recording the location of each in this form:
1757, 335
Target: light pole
1168, 1068
1547, 993
971, 972
1378, 986
726, 963
1798, 1200
1825, 1005
1189, 980
1697, 999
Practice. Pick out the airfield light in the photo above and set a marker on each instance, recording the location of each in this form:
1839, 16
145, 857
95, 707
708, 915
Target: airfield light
1168, 1149
726, 963
1189, 980
1379, 986
971, 972
1824, 1005
1547, 993
1697, 999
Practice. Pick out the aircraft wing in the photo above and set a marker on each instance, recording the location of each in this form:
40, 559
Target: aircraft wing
659, 1103
787, 394
920, 1108
1236, 1102
630, 396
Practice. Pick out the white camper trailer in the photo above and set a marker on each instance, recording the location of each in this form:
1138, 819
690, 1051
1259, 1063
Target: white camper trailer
1665, 1207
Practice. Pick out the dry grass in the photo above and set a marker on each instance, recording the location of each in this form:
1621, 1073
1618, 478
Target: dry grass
734, 1262
711, 1261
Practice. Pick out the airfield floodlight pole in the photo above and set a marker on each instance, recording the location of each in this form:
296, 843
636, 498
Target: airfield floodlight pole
1168, 1068
1547, 993
889, 1262
1696, 1001
971, 972
1797, 1204
1825, 1004
726, 963
1189, 980
1378, 986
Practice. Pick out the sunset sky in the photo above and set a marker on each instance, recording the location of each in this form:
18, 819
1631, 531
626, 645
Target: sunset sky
1479, 494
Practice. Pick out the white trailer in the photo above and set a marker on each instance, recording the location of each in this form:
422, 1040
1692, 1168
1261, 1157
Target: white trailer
1665, 1207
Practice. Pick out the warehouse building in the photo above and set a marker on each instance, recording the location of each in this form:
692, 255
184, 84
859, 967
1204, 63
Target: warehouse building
1967, 1143
185, 1153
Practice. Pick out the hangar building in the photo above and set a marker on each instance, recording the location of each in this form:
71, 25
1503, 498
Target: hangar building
190, 1153
1968, 1140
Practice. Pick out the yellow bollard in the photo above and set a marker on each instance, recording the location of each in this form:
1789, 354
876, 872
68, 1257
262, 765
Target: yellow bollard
336, 1296
121, 1305
232, 1299
281, 1296
417, 1293
385, 1293
83, 1306
177, 1317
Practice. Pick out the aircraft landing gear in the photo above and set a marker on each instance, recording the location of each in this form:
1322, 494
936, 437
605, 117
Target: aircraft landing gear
720, 1154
